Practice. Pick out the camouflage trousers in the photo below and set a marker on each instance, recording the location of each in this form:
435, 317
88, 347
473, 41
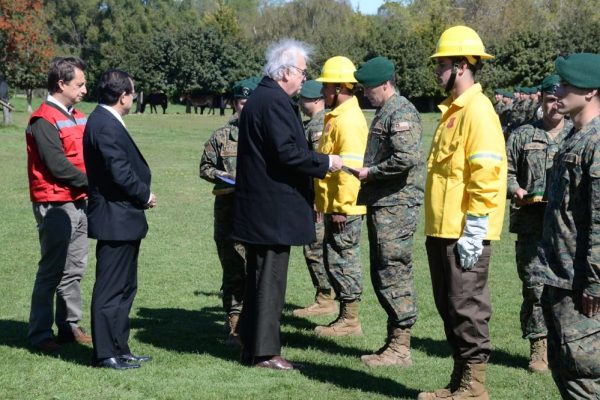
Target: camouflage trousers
314, 254
391, 231
529, 267
573, 344
232, 255
343, 258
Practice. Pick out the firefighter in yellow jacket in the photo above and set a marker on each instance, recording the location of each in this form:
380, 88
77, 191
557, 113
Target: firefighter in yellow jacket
345, 133
465, 194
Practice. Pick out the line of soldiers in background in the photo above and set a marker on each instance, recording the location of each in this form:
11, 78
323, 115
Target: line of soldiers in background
517, 107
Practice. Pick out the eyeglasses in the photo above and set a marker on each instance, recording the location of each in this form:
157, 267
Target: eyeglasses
304, 72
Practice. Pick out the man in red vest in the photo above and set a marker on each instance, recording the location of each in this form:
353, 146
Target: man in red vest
58, 191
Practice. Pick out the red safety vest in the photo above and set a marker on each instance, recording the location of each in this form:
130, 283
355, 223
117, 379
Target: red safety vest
43, 187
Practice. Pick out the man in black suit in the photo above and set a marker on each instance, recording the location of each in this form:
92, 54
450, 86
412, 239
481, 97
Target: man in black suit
119, 192
274, 198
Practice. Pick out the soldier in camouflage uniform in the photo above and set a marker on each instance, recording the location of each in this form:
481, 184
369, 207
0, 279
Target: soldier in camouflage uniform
517, 112
505, 115
392, 190
217, 166
530, 151
571, 297
313, 105
499, 104
535, 104
345, 133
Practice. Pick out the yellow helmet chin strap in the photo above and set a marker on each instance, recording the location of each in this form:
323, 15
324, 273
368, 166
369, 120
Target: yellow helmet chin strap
450, 84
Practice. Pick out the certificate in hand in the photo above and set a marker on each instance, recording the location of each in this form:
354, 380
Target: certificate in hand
226, 179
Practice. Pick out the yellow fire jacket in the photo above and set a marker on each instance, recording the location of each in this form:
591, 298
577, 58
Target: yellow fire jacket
466, 167
345, 134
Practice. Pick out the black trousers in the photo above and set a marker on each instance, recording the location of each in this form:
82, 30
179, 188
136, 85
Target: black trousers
462, 299
112, 298
266, 280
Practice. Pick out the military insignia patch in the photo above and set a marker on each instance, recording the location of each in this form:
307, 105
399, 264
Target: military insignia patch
401, 126
328, 128
450, 123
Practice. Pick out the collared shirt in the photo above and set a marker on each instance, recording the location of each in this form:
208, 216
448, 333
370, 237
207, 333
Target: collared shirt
530, 151
466, 167
572, 219
393, 156
53, 100
220, 156
114, 113
345, 134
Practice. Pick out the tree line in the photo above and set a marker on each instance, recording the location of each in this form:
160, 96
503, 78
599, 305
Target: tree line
177, 46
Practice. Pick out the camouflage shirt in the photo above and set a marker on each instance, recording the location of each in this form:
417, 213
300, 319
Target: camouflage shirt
572, 219
219, 156
393, 155
532, 111
313, 129
517, 114
530, 151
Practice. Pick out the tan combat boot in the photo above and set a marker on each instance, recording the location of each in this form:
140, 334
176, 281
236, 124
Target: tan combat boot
452, 386
324, 305
471, 384
396, 350
538, 349
346, 324
233, 337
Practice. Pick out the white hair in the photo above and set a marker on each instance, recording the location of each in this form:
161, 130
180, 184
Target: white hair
284, 54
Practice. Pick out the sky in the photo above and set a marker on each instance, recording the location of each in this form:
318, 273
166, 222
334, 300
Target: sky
367, 6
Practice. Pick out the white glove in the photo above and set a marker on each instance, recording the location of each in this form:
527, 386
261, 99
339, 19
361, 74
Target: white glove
470, 244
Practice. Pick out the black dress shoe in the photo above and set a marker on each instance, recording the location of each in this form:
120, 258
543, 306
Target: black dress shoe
114, 363
131, 358
274, 362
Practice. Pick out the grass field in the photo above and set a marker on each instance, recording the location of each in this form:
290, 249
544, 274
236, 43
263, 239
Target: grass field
177, 316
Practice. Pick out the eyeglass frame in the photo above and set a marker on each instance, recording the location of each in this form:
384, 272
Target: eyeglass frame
304, 72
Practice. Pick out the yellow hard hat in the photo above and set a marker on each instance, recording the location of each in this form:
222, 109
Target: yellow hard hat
460, 41
337, 69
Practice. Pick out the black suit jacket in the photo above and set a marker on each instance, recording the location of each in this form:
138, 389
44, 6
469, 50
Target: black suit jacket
274, 189
118, 179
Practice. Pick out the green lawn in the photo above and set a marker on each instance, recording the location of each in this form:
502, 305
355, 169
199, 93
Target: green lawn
177, 316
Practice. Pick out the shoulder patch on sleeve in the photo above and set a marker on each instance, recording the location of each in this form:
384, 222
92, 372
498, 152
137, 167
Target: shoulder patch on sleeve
401, 126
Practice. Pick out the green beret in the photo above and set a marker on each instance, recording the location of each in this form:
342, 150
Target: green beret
244, 88
517, 89
498, 91
311, 90
375, 72
581, 70
508, 94
550, 83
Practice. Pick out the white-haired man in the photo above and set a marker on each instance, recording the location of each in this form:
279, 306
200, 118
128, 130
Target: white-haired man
274, 197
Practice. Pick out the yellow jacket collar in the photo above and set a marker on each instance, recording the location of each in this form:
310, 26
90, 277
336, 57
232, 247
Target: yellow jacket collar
461, 100
350, 103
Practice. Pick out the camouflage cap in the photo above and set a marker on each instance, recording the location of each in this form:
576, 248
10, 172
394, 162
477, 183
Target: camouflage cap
311, 90
581, 70
244, 88
550, 84
375, 71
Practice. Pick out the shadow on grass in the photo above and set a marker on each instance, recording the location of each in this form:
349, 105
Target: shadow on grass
188, 331
14, 334
431, 347
347, 378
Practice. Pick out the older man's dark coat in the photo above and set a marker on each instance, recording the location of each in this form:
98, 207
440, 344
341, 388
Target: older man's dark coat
274, 188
